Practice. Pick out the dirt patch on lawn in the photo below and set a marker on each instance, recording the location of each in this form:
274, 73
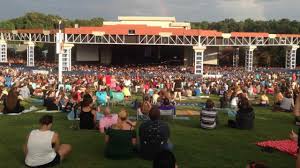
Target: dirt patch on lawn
187, 112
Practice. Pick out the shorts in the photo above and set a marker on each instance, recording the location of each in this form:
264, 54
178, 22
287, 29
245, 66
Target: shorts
54, 162
177, 89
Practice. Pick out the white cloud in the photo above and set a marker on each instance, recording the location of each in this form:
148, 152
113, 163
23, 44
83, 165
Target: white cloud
188, 10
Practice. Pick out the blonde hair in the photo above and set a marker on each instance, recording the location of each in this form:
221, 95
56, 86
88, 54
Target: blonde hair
123, 115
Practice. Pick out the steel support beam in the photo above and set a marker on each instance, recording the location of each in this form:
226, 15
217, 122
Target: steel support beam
67, 57
199, 56
290, 57
30, 53
249, 58
236, 57
3, 51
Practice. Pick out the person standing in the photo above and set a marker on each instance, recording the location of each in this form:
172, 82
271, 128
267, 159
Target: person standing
177, 88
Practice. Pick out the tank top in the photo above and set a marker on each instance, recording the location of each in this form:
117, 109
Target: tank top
40, 149
86, 120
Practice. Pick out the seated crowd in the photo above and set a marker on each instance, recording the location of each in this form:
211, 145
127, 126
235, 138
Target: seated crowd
87, 98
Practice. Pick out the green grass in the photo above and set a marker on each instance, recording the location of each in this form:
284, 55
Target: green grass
194, 147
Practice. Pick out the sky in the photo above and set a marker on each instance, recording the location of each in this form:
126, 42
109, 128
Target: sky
183, 10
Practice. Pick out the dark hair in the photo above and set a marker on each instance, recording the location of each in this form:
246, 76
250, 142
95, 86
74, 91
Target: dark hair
209, 104
11, 99
87, 100
244, 103
166, 102
288, 94
46, 120
154, 113
257, 165
49, 93
164, 159
146, 98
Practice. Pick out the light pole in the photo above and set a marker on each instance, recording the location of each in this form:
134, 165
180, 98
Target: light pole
59, 40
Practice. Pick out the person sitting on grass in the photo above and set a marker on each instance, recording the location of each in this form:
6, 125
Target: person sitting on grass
278, 97
87, 113
155, 97
51, 102
167, 107
234, 101
297, 110
126, 92
143, 110
12, 103
120, 139
43, 148
264, 100
244, 117
208, 116
164, 159
24, 91
287, 104
189, 92
154, 135
224, 101
108, 120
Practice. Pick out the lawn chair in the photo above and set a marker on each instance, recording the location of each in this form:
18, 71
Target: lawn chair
101, 98
117, 98
167, 112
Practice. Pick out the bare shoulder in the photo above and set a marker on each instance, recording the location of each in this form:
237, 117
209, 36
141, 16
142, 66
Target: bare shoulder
55, 136
94, 111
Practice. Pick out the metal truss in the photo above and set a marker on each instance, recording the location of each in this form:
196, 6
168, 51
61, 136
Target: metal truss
66, 60
199, 59
249, 58
290, 59
182, 40
3, 52
30, 55
236, 57
22, 37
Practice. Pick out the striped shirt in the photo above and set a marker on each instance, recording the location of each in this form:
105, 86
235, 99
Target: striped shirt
208, 118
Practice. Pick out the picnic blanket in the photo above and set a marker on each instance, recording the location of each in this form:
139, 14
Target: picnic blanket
191, 104
31, 109
71, 116
286, 146
45, 111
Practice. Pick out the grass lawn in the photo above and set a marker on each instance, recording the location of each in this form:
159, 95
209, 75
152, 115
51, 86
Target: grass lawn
194, 147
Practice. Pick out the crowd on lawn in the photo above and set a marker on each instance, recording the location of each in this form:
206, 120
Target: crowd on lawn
86, 97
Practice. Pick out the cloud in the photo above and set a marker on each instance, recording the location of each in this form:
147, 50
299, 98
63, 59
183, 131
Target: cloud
188, 10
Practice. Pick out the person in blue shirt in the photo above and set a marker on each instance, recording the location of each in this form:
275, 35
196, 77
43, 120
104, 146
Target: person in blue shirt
8, 81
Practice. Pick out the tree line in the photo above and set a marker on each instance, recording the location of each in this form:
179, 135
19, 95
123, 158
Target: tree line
39, 20
282, 26
264, 56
